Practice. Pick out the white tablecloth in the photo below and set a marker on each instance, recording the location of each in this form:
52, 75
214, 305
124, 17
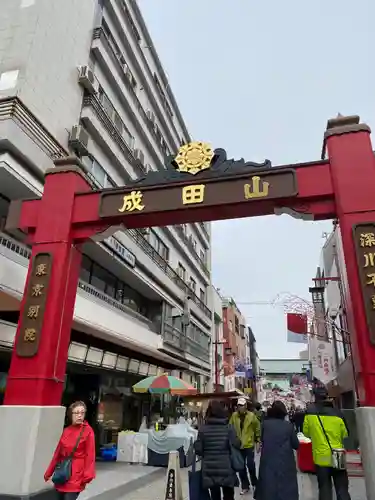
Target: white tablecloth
132, 448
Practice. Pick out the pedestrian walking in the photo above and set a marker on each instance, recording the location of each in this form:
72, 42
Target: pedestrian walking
214, 444
277, 469
299, 416
247, 427
326, 428
259, 412
73, 464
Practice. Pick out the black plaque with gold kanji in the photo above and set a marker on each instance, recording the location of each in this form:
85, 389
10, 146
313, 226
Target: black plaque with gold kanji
364, 240
31, 322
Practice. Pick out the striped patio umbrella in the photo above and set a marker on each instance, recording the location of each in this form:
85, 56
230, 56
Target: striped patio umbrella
165, 384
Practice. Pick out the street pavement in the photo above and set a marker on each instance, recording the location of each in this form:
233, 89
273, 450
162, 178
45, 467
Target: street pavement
120, 481
155, 489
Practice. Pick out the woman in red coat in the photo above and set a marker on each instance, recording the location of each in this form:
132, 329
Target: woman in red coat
83, 460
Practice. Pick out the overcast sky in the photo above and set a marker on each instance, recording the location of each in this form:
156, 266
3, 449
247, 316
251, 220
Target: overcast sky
260, 79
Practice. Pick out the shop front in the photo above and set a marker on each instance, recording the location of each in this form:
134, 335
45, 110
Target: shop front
102, 375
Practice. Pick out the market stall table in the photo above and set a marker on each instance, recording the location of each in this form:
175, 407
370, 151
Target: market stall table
132, 447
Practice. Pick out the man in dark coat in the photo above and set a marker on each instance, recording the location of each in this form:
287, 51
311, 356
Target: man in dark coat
213, 444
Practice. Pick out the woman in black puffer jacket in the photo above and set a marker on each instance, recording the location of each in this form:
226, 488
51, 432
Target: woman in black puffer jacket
214, 446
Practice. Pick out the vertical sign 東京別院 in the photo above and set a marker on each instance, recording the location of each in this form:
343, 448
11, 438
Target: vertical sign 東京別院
35, 302
364, 240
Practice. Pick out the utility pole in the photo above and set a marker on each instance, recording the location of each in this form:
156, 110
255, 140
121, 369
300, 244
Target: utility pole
216, 354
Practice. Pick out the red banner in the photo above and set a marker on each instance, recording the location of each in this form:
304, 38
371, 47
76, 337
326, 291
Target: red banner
297, 323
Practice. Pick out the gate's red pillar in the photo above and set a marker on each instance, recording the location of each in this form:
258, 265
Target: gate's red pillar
352, 165
39, 380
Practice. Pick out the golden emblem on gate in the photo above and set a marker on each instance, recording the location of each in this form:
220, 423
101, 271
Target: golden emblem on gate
194, 157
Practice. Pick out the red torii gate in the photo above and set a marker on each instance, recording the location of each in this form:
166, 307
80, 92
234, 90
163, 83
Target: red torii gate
199, 185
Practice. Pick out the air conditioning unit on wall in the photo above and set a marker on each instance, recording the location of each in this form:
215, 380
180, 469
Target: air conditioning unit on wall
86, 78
138, 155
79, 140
151, 116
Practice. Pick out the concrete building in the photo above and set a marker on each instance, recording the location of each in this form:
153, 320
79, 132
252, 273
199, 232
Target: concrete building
331, 359
341, 383
218, 343
83, 77
253, 362
235, 335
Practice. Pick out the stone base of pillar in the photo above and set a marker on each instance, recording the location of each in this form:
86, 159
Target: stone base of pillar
366, 434
28, 438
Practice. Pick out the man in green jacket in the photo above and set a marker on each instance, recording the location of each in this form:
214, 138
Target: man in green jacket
326, 428
247, 427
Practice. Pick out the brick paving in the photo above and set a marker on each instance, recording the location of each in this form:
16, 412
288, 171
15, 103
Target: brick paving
155, 489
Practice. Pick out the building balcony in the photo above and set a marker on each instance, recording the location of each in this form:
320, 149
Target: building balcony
106, 134
189, 244
185, 347
141, 65
142, 242
95, 312
110, 60
100, 358
103, 40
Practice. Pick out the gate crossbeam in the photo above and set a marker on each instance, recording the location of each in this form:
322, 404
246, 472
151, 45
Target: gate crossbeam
248, 194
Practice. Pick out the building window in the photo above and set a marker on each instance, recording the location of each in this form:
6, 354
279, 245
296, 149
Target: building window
158, 244
192, 284
129, 19
181, 271
162, 95
236, 324
230, 323
202, 295
86, 269
92, 62
202, 256
101, 178
99, 277
172, 317
199, 342
103, 280
119, 55
115, 117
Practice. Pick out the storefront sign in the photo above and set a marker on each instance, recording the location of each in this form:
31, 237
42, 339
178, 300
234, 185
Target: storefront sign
229, 383
364, 240
121, 250
322, 360
35, 302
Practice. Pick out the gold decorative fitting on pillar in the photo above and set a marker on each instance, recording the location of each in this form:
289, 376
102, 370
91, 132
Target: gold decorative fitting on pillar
194, 157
